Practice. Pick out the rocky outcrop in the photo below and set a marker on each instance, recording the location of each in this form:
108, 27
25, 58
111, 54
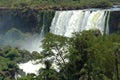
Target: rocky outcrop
25, 19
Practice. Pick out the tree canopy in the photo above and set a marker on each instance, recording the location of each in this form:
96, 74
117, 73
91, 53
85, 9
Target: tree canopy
87, 55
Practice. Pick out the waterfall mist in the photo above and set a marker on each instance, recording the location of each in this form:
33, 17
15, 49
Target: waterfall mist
16, 38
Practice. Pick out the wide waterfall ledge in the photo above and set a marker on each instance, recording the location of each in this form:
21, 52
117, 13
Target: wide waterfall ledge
66, 22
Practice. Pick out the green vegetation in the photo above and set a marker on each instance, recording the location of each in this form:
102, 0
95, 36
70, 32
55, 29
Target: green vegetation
9, 58
58, 4
85, 56
115, 1
95, 3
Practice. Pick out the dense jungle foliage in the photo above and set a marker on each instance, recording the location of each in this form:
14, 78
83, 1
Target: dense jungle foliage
58, 3
85, 56
9, 58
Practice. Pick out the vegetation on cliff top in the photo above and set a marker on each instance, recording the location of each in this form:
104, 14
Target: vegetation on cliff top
57, 4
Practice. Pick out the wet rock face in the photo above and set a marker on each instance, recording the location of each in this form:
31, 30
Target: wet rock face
25, 20
114, 22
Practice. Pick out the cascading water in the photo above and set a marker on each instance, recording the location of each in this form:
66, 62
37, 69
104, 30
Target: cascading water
66, 22
107, 25
32, 66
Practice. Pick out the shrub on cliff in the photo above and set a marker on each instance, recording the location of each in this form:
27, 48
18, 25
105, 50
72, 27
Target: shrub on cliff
95, 3
56, 3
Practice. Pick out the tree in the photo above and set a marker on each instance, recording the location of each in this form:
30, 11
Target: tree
116, 53
9, 58
55, 50
87, 55
28, 77
47, 73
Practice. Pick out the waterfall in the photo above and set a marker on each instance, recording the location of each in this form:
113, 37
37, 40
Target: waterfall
35, 46
107, 26
66, 22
